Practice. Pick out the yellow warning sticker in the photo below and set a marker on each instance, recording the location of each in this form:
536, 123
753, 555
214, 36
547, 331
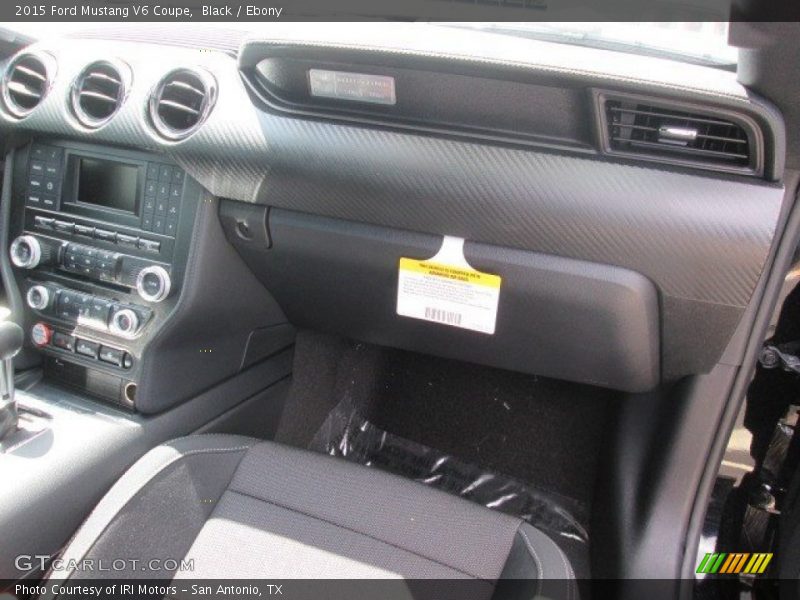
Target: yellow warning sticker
446, 289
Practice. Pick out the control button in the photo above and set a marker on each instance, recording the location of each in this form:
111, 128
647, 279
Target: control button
164, 173
175, 191
152, 171
48, 201
84, 230
149, 205
111, 355
150, 188
36, 183
149, 245
41, 334
153, 283
161, 206
127, 240
159, 223
171, 227
98, 312
105, 235
87, 348
163, 190
127, 361
173, 207
67, 306
64, 341
43, 222
34, 199
38, 297
177, 175
52, 154
52, 170
147, 222
124, 322
37, 168
39, 151
64, 226
50, 186
26, 252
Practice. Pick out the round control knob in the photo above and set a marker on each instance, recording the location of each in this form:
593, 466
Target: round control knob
38, 297
125, 322
41, 334
26, 252
153, 283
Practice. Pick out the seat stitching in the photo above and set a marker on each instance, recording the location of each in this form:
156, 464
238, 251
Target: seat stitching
309, 515
536, 559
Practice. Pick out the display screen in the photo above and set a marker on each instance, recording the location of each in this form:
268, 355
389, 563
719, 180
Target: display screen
108, 184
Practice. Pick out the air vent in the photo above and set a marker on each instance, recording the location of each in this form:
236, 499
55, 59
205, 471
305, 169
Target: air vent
679, 135
27, 81
181, 102
99, 91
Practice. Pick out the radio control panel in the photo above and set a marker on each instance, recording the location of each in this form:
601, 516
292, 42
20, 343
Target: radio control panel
99, 244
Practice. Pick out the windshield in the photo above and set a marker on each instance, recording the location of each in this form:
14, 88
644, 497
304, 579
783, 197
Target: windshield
699, 42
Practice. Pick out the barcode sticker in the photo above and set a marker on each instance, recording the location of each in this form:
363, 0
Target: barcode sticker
446, 289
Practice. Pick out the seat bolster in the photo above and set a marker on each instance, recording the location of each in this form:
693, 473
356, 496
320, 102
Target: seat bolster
536, 567
143, 474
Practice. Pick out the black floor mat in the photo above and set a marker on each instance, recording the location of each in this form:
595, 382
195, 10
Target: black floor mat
346, 434
534, 433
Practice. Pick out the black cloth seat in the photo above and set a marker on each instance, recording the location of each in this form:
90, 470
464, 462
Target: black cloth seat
241, 508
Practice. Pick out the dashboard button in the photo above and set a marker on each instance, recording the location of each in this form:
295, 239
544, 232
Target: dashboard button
43, 222
149, 245
164, 173
50, 186
41, 334
159, 223
127, 240
52, 170
36, 183
84, 230
48, 201
105, 235
98, 311
150, 188
34, 199
37, 168
175, 191
64, 341
147, 223
177, 175
64, 226
161, 206
111, 355
87, 348
162, 192
152, 171
171, 228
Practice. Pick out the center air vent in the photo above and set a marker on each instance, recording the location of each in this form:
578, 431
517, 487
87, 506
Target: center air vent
99, 91
681, 135
181, 102
27, 81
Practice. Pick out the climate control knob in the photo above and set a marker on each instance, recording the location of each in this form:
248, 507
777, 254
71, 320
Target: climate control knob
153, 283
125, 322
26, 252
38, 297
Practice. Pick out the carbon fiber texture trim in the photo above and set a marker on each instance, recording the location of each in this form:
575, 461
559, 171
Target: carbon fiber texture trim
697, 238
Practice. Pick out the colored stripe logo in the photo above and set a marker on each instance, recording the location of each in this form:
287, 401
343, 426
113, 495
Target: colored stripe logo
734, 563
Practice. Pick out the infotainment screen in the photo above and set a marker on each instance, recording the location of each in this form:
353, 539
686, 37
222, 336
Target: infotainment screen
107, 183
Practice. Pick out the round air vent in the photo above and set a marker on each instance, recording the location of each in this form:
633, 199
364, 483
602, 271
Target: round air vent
26, 82
181, 102
99, 91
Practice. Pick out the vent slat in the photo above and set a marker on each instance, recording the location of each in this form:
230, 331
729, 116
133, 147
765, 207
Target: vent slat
99, 92
653, 131
178, 106
26, 83
181, 102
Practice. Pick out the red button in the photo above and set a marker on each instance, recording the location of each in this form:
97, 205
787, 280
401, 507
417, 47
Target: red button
41, 334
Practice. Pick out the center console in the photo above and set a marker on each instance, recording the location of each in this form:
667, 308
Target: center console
99, 244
